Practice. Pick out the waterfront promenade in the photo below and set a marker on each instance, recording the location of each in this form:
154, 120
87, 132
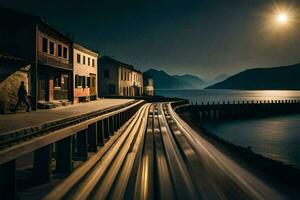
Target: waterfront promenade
15, 121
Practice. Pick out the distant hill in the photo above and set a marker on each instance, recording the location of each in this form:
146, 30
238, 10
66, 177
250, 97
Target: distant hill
216, 79
220, 78
275, 78
193, 81
162, 80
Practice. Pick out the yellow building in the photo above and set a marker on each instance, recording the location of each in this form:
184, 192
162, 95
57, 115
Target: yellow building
85, 66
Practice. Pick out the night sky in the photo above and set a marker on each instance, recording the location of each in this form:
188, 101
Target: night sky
205, 38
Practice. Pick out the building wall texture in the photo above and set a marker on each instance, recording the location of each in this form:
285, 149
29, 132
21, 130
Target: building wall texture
117, 78
55, 76
52, 59
9, 86
85, 65
108, 79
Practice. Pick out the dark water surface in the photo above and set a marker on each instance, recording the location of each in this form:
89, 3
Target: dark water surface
231, 95
275, 137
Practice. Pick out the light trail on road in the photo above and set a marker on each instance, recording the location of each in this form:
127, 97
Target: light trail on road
159, 156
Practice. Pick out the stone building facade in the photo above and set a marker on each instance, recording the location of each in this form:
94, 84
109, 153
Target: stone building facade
85, 74
117, 78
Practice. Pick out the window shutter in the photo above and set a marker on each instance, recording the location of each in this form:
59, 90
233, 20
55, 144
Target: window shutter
83, 81
76, 80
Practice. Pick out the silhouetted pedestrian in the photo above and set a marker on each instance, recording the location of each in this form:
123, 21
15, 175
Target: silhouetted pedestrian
22, 97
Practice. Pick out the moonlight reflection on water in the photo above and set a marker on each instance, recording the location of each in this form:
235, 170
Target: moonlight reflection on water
231, 95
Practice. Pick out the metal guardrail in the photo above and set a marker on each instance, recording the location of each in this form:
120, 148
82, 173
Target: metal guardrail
64, 142
158, 156
106, 164
125, 170
36, 140
179, 103
15, 137
154, 155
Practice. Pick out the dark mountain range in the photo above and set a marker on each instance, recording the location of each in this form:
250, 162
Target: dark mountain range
162, 80
275, 78
220, 78
194, 81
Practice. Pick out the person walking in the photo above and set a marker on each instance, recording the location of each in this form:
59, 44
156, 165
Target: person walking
22, 97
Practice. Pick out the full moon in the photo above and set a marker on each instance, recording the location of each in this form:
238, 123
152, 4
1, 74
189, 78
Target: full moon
282, 18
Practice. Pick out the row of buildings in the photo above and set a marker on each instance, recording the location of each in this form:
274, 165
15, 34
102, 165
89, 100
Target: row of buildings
54, 68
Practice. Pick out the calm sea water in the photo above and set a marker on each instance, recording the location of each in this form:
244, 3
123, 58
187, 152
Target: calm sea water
275, 137
231, 95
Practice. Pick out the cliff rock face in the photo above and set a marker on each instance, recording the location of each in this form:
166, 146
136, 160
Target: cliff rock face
9, 86
275, 78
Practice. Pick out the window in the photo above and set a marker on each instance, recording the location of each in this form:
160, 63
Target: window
106, 73
93, 83
78, 58
57, 81
59, 50
83, 81
89, 61
84, 60
65, 84
51, 46
124, 91
80, 81
93, 62
45, 45
65, 52
76, 80
89, 81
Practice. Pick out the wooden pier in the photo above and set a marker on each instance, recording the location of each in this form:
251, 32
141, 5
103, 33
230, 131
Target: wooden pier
241, 110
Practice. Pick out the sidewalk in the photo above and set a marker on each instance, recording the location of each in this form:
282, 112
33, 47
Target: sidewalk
15, 121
